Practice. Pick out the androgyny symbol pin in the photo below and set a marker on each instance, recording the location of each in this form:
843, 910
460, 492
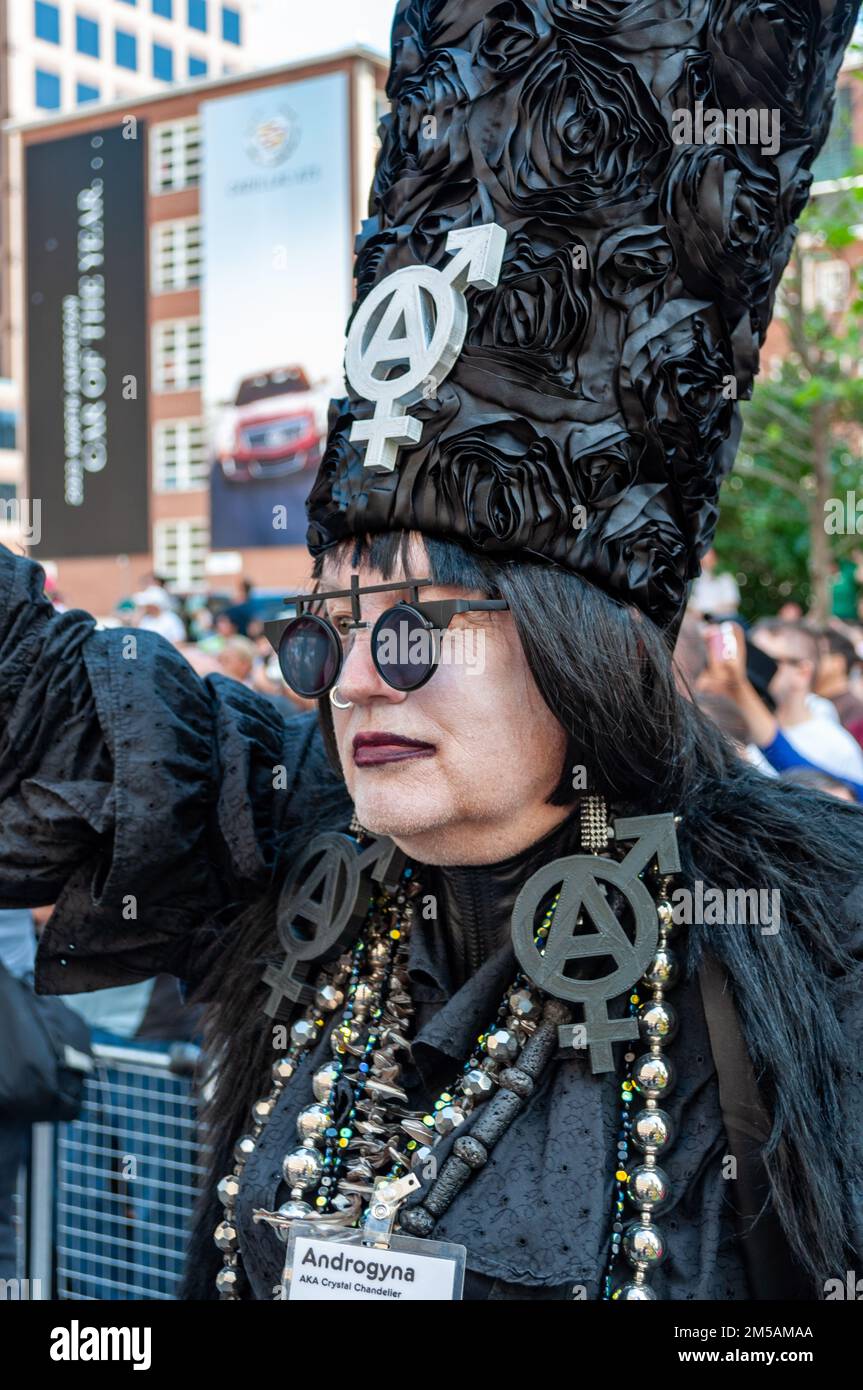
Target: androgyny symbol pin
415, 319
581, 895
322, 905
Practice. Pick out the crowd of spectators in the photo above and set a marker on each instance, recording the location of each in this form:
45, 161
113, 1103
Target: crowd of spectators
786, 690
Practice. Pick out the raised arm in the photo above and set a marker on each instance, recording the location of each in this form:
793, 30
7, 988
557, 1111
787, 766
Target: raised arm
138, 798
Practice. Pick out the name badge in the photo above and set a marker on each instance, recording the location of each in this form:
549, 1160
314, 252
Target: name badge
337, 1265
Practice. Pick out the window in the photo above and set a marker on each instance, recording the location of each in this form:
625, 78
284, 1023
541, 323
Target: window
164, 7
87, 36
84, 92
230, 25
47, 90
175, 155
46, 22
175, 255
180, 552
8, 493
163, 63
826, 285
177, 355
125, 50
197, 15
129, 2
180, 456
7, 429
197, 66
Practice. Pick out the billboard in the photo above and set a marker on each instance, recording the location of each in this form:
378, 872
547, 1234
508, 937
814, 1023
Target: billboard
86, 342
277, 236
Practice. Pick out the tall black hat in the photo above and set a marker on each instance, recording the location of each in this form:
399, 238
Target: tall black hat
590, 204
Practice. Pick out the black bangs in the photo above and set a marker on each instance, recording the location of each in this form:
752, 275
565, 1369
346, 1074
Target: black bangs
447, 562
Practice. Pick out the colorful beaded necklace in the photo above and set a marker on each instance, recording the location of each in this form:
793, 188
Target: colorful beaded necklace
331, 1174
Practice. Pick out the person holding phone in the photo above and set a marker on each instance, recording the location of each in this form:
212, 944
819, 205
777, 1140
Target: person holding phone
782, 663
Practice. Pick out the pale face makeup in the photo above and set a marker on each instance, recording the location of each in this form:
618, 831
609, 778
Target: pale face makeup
459, 771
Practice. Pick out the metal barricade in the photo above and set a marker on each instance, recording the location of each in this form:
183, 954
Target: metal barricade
109, 1196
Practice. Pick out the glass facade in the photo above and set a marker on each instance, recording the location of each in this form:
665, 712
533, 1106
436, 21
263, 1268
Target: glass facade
125, 50
230, 25
87, 36
163, 63
47, 90
46, 22
197, 15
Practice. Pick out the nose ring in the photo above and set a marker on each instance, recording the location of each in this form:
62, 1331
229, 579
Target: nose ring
339, 704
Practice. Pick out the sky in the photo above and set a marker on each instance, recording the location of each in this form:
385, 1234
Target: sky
287, 30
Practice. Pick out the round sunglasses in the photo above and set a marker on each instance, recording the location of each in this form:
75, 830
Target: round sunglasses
406, 639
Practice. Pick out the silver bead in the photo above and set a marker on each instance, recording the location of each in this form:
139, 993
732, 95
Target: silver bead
293, 1211
363, 995
244, 1148
630, 1292
477, 1083
523, 1005
262, 1110
652, 1129
665, 913
324, 1079
420, 1156
643, 1245
228, 1189
379, 953
328, 998
648, 1188
502, 1045
448, 1118
303, 1032
227, 1281
312, 1122
341, 1202
296, 1211
282, 1069
302, 1168
662, 970
225, 1235
653, 1075
657, 1021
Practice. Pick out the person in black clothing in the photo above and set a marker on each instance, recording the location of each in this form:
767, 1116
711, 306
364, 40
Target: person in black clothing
501, 559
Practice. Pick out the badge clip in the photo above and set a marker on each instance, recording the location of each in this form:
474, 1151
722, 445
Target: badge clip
387, 1197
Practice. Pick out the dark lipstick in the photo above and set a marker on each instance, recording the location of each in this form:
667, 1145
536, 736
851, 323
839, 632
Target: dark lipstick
371, 750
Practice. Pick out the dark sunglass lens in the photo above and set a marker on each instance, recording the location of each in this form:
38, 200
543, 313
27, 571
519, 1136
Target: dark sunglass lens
309, 656
404, 648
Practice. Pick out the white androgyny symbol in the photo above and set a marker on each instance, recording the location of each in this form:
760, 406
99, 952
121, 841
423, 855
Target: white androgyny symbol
415, 320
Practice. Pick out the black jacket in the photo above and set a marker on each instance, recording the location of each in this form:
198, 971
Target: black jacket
150, 806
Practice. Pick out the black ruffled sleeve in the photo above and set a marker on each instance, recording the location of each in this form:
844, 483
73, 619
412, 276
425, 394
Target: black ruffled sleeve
136, 797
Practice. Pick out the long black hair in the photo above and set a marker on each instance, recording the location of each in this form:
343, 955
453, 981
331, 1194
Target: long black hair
606, 673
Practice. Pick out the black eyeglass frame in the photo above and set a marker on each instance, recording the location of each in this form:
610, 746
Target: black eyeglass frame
435, 615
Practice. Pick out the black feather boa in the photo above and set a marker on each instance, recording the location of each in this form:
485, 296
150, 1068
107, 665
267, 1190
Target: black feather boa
798, 994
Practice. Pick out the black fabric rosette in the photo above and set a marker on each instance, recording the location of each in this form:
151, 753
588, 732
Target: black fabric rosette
638, 277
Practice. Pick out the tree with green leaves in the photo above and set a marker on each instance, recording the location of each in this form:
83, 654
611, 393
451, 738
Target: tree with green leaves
782, 530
